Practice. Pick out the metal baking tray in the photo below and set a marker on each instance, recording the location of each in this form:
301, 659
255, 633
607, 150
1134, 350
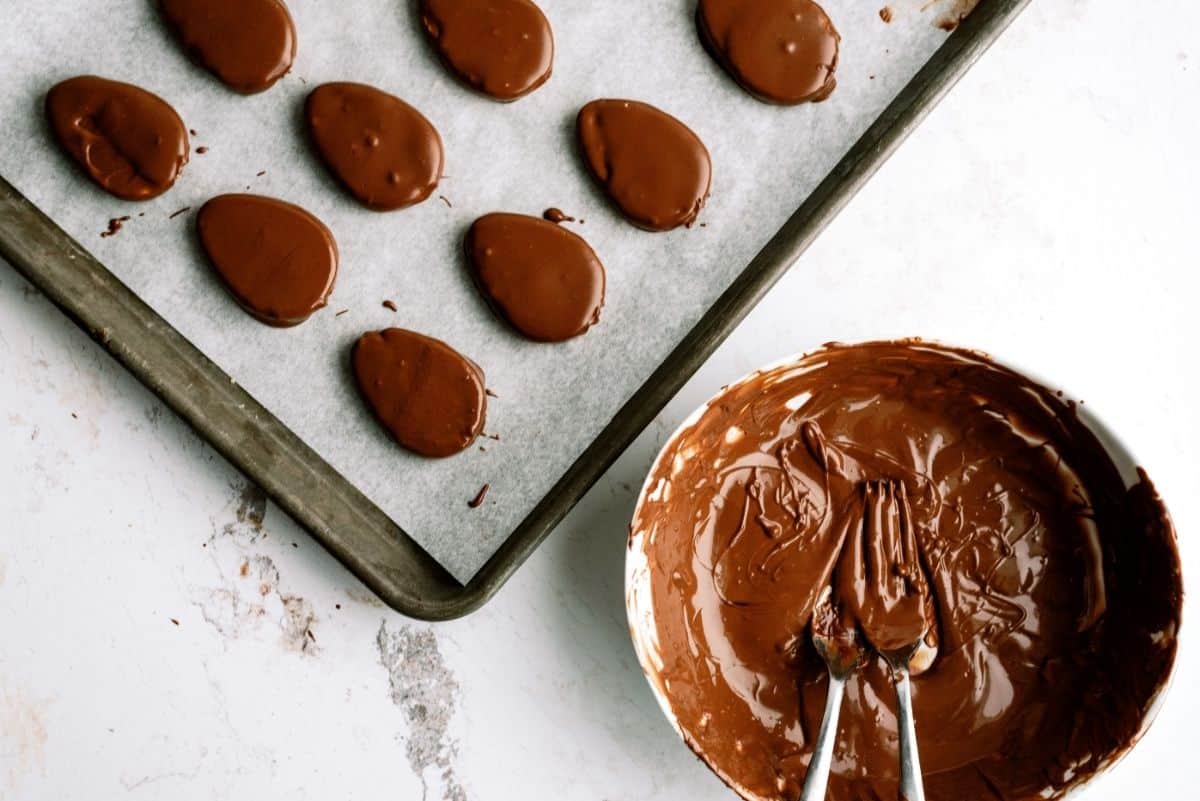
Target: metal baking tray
337, 514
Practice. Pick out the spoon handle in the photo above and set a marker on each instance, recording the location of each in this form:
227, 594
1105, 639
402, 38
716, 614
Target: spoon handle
912, 787
822, 756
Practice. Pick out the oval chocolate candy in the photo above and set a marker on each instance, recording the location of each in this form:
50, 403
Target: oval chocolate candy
428, 396
278, 261
247, 44
129, 141
781, 51
650, 165
380, 148
501, 48
545, 280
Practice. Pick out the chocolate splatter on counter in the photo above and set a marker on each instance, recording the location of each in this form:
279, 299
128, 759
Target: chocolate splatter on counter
1055, 584
390, 305
885, 13
201, 150
130, 142
278, 261
175, 214
249, 600
249, 513
480, 496
380, 148
446, 200
426, 693
950, 13
651, 165
490, 394
556, 215
501, 48
544, 280
780, 51
114, 226
427, 395
247, 44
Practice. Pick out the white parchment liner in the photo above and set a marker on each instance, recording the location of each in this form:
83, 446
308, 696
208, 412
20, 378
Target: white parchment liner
553, 399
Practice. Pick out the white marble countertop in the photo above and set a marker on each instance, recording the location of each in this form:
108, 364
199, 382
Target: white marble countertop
168, 634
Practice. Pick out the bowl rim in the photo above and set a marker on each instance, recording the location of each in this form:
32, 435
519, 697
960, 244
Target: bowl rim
637, 570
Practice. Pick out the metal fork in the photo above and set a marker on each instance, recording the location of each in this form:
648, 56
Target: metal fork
896, 569
839, 647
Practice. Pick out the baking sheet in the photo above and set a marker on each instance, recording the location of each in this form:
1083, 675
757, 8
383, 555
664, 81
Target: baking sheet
553, 399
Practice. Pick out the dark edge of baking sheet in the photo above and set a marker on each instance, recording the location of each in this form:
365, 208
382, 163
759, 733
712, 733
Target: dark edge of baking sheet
341, 518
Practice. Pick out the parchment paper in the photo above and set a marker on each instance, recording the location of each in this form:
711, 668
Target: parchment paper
553, 399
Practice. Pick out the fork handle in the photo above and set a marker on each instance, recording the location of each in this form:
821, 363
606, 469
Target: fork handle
817, 776
912, 787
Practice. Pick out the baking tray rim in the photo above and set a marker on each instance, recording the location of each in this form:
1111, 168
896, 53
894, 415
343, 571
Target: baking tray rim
336, 514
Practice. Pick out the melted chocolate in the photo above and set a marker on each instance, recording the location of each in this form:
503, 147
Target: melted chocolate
556, 215
545, 280
502, 48
247, 44
781, 51
380, 148
650, 164
1054, 589
426, 394
130, 142
277, 260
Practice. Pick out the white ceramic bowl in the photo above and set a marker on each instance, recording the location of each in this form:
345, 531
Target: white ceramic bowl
639, 604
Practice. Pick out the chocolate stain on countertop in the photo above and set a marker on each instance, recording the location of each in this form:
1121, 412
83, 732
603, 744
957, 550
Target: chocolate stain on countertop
23, 739
426, 692
952, 12
249, 514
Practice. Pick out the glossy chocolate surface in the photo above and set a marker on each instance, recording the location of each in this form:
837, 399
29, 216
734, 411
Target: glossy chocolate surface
781, 51
247, 44
380, 148
651, 165
501, 48
129, 141
277, 260
1054, 585
544, 279
428, 396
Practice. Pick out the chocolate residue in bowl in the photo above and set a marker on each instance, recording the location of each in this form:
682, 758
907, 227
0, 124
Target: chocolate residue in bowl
380, 148
427, 395
651, 165
501, 48
1055, 586
130, 142
247, 44
545, 280
277, 260
780, 51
